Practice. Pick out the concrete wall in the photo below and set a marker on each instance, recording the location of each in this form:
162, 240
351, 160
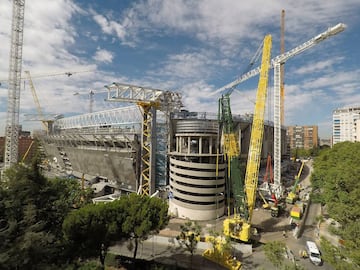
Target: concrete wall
116, 166
114, 157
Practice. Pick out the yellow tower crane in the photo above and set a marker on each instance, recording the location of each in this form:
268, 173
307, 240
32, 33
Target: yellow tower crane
36, 100
149, 100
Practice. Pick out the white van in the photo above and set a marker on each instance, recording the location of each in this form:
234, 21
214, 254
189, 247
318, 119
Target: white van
313, 252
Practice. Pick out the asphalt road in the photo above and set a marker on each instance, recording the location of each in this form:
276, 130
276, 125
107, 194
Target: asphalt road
163, 248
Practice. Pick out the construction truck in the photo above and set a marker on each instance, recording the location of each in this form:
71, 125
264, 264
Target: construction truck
275, 207
238, 226
293, 195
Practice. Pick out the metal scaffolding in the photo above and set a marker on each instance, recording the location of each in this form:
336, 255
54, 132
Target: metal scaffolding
12, 119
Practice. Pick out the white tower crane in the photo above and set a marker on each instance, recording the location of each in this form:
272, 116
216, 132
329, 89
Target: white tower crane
275, 63
12, 119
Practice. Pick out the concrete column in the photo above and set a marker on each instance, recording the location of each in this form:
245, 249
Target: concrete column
189, 144
200, 145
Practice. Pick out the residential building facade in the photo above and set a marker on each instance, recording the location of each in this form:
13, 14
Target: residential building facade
303, 137
345, 125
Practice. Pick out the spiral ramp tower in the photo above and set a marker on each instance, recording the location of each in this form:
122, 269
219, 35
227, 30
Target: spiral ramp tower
196, 171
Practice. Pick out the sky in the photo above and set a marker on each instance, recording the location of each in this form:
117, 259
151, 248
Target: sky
192, 47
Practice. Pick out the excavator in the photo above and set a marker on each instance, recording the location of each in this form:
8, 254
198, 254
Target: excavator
238, 226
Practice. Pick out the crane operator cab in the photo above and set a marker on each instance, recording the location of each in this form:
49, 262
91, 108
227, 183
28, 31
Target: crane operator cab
237, 228
313, 253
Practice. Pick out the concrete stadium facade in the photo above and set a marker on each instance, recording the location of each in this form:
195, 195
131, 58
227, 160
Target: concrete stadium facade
195, 174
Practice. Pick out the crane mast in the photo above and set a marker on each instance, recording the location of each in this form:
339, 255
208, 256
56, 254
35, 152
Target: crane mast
257, 130
239, 227
282, 69
232, 156
12, 119
149, 100
276, 63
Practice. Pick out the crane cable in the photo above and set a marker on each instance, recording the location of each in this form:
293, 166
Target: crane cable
253, 60
67, 73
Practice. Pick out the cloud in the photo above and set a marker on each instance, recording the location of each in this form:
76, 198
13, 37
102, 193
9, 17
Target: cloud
191, 46
226, 23
102, 55
332, 79
110, 27
187, 66
318, 66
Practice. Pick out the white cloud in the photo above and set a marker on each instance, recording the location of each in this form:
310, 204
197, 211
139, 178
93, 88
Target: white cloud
49, 35
318, 66
102, 55
332, 79
110, 27
187, 66
220, 36
226, 23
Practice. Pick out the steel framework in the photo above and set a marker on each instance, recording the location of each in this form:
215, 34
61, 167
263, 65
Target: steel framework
12, 119
127, 117
275, 63
149, 100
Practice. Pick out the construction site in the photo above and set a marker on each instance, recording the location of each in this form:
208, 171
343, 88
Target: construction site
210, 167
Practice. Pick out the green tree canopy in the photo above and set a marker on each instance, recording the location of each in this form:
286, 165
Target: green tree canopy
132, 217
189, 235
336, 184
32, 210
275, 251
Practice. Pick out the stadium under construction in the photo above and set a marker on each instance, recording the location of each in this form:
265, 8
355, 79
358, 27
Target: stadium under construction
180, 160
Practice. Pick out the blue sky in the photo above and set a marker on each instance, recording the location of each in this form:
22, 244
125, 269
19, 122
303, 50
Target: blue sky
193, 47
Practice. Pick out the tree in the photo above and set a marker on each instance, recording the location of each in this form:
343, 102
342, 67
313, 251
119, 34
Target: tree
275, 251
335, 256
131, 217
32, 210
145, 216
336, 184
189, 235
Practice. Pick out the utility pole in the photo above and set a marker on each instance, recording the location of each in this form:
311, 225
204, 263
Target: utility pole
12, 119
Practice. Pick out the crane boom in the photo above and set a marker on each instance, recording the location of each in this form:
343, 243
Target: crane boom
282, 58
276, 63
36, 100
149, 100
239, 227
257, 130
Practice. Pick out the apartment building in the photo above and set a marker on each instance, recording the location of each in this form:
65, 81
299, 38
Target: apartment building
345, 123
302, 137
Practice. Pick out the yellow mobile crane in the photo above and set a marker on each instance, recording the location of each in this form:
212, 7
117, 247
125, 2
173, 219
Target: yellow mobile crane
293, 194
239, 226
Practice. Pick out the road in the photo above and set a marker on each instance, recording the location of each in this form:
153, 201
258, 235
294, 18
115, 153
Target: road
163, 249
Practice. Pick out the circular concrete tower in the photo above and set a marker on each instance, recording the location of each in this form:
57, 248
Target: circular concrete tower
196, 171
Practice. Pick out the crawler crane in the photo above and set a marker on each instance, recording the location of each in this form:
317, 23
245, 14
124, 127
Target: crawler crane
239, 226
293, 194
276, 63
